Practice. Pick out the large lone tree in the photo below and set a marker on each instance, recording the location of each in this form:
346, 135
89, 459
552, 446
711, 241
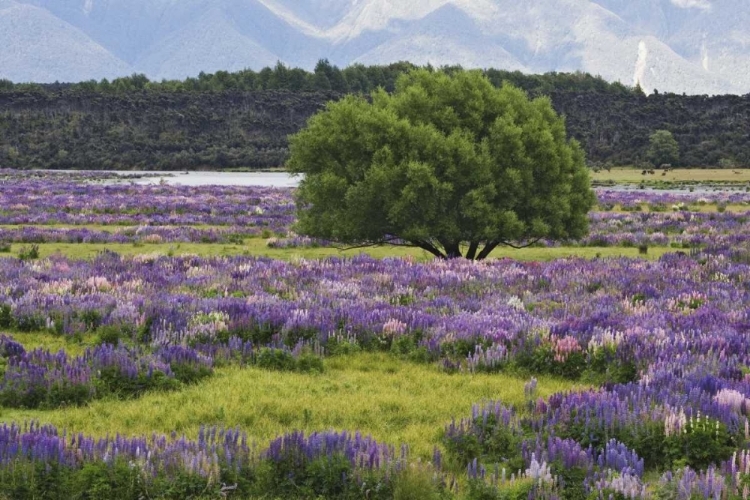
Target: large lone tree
446, 163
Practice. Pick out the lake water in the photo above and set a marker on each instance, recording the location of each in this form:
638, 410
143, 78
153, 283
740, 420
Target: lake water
266, 179
282, 179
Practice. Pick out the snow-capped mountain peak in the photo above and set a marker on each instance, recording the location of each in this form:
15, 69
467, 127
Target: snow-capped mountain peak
694, 46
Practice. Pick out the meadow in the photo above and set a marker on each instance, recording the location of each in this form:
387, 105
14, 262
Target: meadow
266, 365
737, 177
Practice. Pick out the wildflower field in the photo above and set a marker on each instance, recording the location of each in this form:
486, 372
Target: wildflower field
163, 375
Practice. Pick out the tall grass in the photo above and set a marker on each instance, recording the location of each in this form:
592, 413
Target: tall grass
394, 400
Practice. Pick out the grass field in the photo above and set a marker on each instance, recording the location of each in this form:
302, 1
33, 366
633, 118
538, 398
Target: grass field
257, 247
627, 175
394, 400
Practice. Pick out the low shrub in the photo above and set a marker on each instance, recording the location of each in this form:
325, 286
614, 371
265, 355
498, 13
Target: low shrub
282, 359
275, 359
28, 252
493, 436
6, 316
114, 334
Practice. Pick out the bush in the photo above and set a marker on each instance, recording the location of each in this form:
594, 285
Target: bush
96, 480
113, 334
462, 348
408, 346
308, 363
541, 360
5, 247
100, 480
275, 359
91, 319
29, 323
293, 336
188, 373
236, 239
295, 476
604, 366
28, 252
113, 381
6, 316
342, 346
702, 442
62, 395
573, 480
488, 439
283, 360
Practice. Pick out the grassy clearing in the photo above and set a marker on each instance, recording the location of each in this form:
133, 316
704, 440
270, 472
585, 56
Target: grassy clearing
46, 340
628, 175
257, 247
394, 400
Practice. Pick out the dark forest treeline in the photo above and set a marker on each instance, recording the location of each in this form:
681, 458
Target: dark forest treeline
151, 131
229, 120
325, 77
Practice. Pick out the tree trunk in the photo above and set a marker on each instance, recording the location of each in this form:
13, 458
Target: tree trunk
488, 248
428, 247
471, 254
452, 249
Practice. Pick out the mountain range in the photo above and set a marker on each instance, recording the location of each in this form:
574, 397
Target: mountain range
691, 46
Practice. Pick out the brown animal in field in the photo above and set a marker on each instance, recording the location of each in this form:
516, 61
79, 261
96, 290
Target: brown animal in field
664, 173
643, 173
651, 172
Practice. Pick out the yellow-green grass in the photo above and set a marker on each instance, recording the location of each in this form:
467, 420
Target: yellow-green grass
704, 175
396, 401
258, 247
32, 340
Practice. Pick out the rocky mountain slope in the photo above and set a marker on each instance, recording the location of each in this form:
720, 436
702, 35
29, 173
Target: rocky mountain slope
692, 46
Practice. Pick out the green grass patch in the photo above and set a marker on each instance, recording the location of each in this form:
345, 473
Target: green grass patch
629, 175
258, 247
394, 400
74, 346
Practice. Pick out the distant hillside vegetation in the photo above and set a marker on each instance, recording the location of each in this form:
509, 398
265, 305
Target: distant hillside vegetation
151, 131
231, 120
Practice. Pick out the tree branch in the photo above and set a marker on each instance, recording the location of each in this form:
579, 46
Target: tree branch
360, 245
518, 247
424, 245
451, 250
488, 247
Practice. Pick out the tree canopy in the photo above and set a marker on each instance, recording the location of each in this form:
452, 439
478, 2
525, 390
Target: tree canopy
663, 148
447, 163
